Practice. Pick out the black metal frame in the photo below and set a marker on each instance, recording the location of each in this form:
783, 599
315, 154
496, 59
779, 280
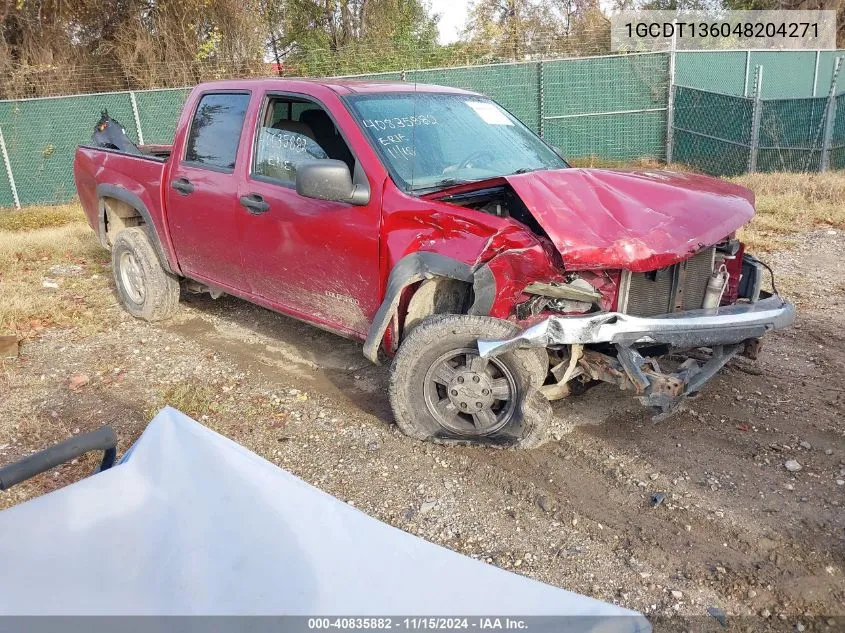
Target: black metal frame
103, 439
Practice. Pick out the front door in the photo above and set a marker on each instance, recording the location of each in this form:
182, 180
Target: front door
202, 193
315, 259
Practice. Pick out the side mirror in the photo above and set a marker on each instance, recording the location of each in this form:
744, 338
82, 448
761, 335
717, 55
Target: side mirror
329, 180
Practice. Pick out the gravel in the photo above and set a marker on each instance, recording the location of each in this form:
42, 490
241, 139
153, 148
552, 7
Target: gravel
792, 466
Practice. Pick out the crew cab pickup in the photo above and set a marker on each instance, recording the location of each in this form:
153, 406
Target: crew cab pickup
432, 225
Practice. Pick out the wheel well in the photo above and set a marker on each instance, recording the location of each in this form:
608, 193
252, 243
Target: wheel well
118, 215
436, 295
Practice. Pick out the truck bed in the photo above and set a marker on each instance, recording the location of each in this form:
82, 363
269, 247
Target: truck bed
158, 151
97, 171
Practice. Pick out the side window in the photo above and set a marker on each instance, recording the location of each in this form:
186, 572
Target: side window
293, 131
216, 130
279, 151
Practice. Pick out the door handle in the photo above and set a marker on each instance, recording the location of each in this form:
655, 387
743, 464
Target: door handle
255, 204
182, 185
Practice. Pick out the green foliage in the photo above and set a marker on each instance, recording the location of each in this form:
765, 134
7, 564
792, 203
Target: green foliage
515, 29
352, 36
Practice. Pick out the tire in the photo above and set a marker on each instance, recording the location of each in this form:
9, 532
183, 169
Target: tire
441, 391
147, 290
539, 364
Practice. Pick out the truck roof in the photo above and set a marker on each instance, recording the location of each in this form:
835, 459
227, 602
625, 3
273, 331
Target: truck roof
340, 86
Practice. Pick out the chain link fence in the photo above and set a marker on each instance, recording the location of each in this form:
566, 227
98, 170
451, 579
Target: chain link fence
712, 131
837, 150
791, 136
611, 108
789, 74
726, 135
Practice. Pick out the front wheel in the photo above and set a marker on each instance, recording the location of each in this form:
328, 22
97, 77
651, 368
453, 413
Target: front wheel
441, 389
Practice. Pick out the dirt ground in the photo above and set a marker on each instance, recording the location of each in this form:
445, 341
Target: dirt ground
737, 531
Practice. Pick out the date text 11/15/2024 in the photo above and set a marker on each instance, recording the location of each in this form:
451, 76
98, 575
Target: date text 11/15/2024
417, 623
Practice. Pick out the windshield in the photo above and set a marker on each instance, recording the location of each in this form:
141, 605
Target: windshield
430, 141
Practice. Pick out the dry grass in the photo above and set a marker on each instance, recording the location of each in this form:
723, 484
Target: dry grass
597, 162
26, 256
791, 204
195, 400
40, 217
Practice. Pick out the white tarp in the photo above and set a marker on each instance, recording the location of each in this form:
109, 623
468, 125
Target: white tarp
193, 523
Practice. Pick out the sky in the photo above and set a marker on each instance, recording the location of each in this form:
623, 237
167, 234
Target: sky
453, 15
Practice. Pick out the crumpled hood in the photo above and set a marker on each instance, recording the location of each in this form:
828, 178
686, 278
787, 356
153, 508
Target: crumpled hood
636, 220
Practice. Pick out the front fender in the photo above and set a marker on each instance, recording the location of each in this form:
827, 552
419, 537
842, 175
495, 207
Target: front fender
497, 284
409, 270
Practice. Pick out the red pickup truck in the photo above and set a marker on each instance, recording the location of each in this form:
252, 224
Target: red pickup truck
430, 223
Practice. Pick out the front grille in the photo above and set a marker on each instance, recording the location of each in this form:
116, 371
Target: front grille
678, 287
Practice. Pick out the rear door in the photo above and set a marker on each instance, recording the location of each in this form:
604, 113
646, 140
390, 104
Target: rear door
316, 259
202, 204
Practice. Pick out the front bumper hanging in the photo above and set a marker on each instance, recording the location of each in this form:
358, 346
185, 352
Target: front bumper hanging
726, 325
727, 330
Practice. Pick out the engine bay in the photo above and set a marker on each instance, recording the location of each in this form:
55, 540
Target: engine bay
501, 201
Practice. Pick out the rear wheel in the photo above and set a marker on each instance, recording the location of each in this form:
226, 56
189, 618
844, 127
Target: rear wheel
441, 389
147, 290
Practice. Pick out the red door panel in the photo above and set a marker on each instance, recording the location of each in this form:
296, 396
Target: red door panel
205, 227
317, 258
201, 192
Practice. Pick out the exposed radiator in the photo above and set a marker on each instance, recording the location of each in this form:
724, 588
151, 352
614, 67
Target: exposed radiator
678, 287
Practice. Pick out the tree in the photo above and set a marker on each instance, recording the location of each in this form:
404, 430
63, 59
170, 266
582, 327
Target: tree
334, 36
520, 29
67, 46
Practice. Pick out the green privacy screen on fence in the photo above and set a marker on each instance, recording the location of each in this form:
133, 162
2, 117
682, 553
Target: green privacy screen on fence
41, 136
717, 134
6, 198
158, 112
837, 152
791, 134
723, 73
788, 74
712, 131
611, 107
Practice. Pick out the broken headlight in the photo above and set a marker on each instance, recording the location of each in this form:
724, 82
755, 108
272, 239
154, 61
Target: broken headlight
573, 297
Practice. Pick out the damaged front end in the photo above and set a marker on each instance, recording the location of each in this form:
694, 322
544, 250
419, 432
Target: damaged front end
619, 273
622, 346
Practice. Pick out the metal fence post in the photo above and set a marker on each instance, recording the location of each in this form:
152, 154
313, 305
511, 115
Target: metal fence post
755, 119
747, 70
829, 117
816, 73
670, 98
8, 166
541, 99
137, 117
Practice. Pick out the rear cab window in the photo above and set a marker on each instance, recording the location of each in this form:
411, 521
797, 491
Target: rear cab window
216, 131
